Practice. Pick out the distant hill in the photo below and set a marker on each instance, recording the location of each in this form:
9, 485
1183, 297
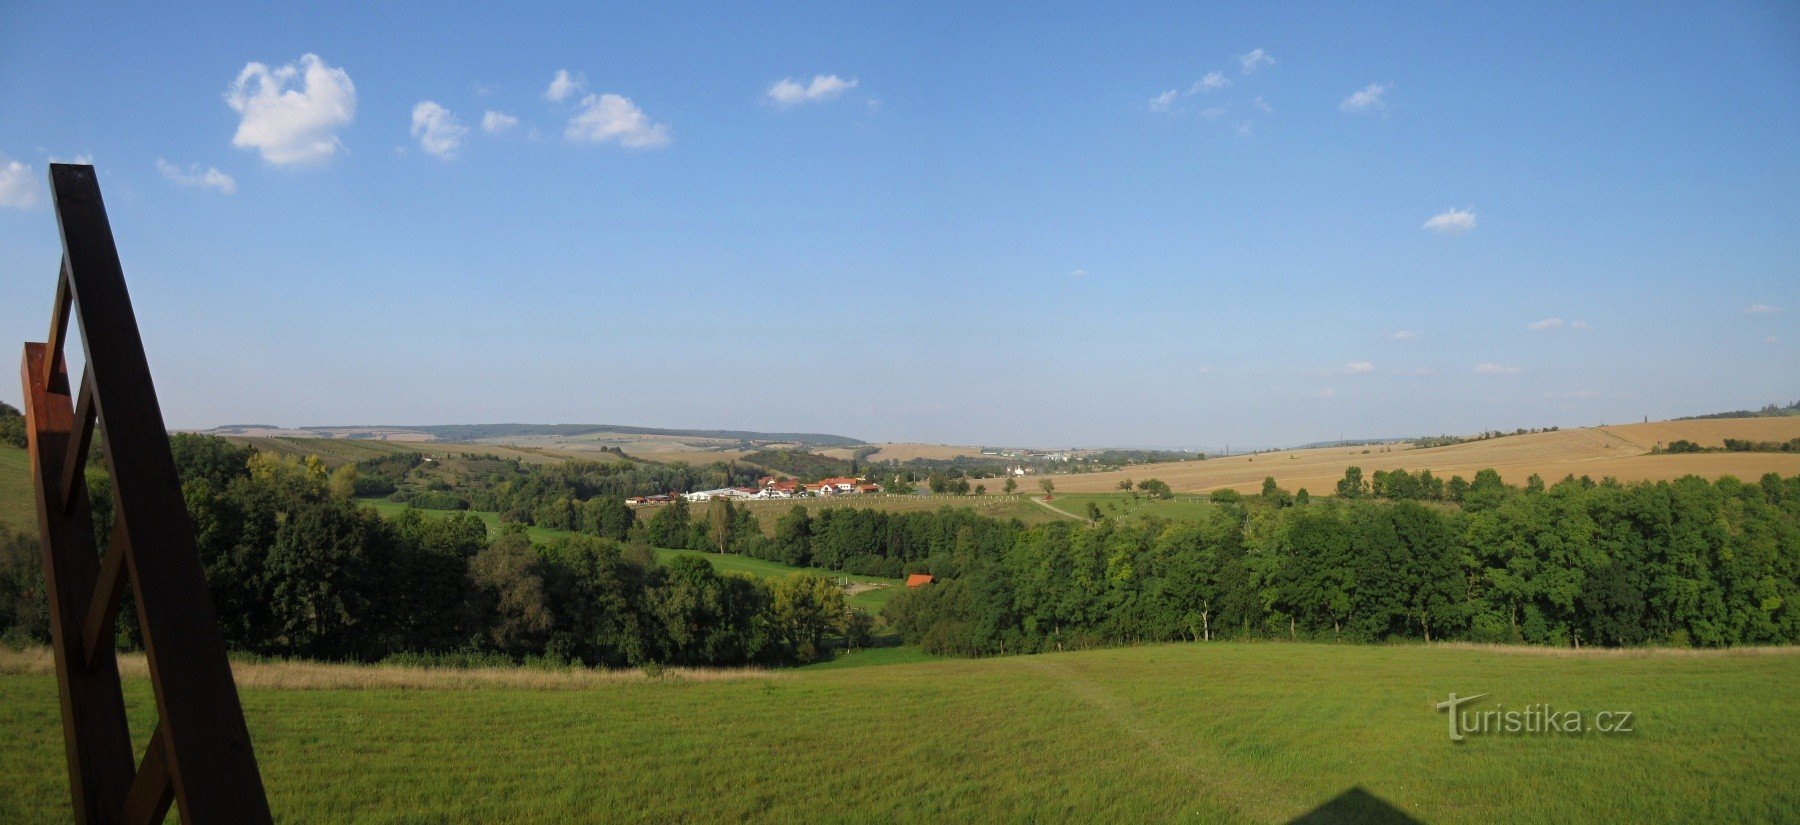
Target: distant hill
477, 432
1770, 411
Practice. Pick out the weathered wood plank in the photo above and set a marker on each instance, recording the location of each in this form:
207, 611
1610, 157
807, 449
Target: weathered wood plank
211, 762
74, 472
96, 741
97, 630
151, 790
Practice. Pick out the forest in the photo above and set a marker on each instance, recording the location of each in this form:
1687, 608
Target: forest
297, 568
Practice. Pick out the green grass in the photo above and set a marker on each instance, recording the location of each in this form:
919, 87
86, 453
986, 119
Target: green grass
18, 505
1215, 732
1122, 506
869, 600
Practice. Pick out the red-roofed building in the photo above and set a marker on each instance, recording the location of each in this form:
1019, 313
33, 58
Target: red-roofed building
919, 580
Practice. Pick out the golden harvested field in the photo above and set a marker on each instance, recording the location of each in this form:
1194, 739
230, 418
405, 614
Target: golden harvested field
1621, 451
908, 452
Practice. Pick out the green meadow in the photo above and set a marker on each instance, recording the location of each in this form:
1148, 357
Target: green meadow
18, 504
1196, 732
871, 598
1123, 506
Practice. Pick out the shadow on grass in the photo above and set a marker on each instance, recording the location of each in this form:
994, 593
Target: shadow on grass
1358, 806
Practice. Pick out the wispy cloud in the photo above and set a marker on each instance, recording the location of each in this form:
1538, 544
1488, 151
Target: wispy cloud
1451, 221
1761, 309
1492, 368
440, 134
1551, 324
1257, 58
1263, 106
1359, 367
610, 117
1079, 273
1212, 81
18, 186
292, 114
563, 84
1369, 99
495, 123
790, 92
208, 178
1401, 335
1161, 102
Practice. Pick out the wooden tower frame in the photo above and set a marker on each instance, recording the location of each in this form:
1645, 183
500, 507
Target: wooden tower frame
199, 757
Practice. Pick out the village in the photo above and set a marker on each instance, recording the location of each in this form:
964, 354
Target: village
769, 487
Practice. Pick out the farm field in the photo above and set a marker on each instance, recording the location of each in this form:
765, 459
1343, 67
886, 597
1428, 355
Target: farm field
1215, 732
1619, 451
907, 452
339, 451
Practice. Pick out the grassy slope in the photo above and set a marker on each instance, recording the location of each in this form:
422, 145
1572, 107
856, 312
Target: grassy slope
871, 600
1221, 732
18, 509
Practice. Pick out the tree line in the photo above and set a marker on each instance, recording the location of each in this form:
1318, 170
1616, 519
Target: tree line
298, 569
1575, 563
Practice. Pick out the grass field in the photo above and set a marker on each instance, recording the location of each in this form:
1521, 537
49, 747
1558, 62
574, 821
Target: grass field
1219, 732
1121, 506
873, 594
1619, 451
18, 506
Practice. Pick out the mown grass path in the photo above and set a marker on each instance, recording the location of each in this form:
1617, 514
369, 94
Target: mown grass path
1197, 732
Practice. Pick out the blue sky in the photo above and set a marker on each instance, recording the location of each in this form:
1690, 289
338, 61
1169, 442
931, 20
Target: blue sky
1067, 225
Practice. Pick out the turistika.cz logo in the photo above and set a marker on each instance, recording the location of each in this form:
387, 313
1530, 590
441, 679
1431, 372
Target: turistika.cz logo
1533, 720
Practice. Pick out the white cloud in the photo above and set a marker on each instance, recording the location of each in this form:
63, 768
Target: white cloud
1401, 335
789, 92
1366, 100
440, 134
1424, 371
1079, 273
494, 122
1255, 59
1761, 309
1492, 368
291, 114
1547, 323
1212, 80
612, 117
1582, 325
1161, 102
1451, 221
1359, 367
1246, 128
18, 187
209, 178
1263, 106
1213, 113
565, 84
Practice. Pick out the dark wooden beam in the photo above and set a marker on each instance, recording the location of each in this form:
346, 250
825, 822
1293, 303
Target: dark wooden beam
96, 741
97, 631
151, 790
59, 331
74, 472
211, 761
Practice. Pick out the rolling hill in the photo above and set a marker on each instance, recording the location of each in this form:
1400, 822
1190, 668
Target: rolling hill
1623, 452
